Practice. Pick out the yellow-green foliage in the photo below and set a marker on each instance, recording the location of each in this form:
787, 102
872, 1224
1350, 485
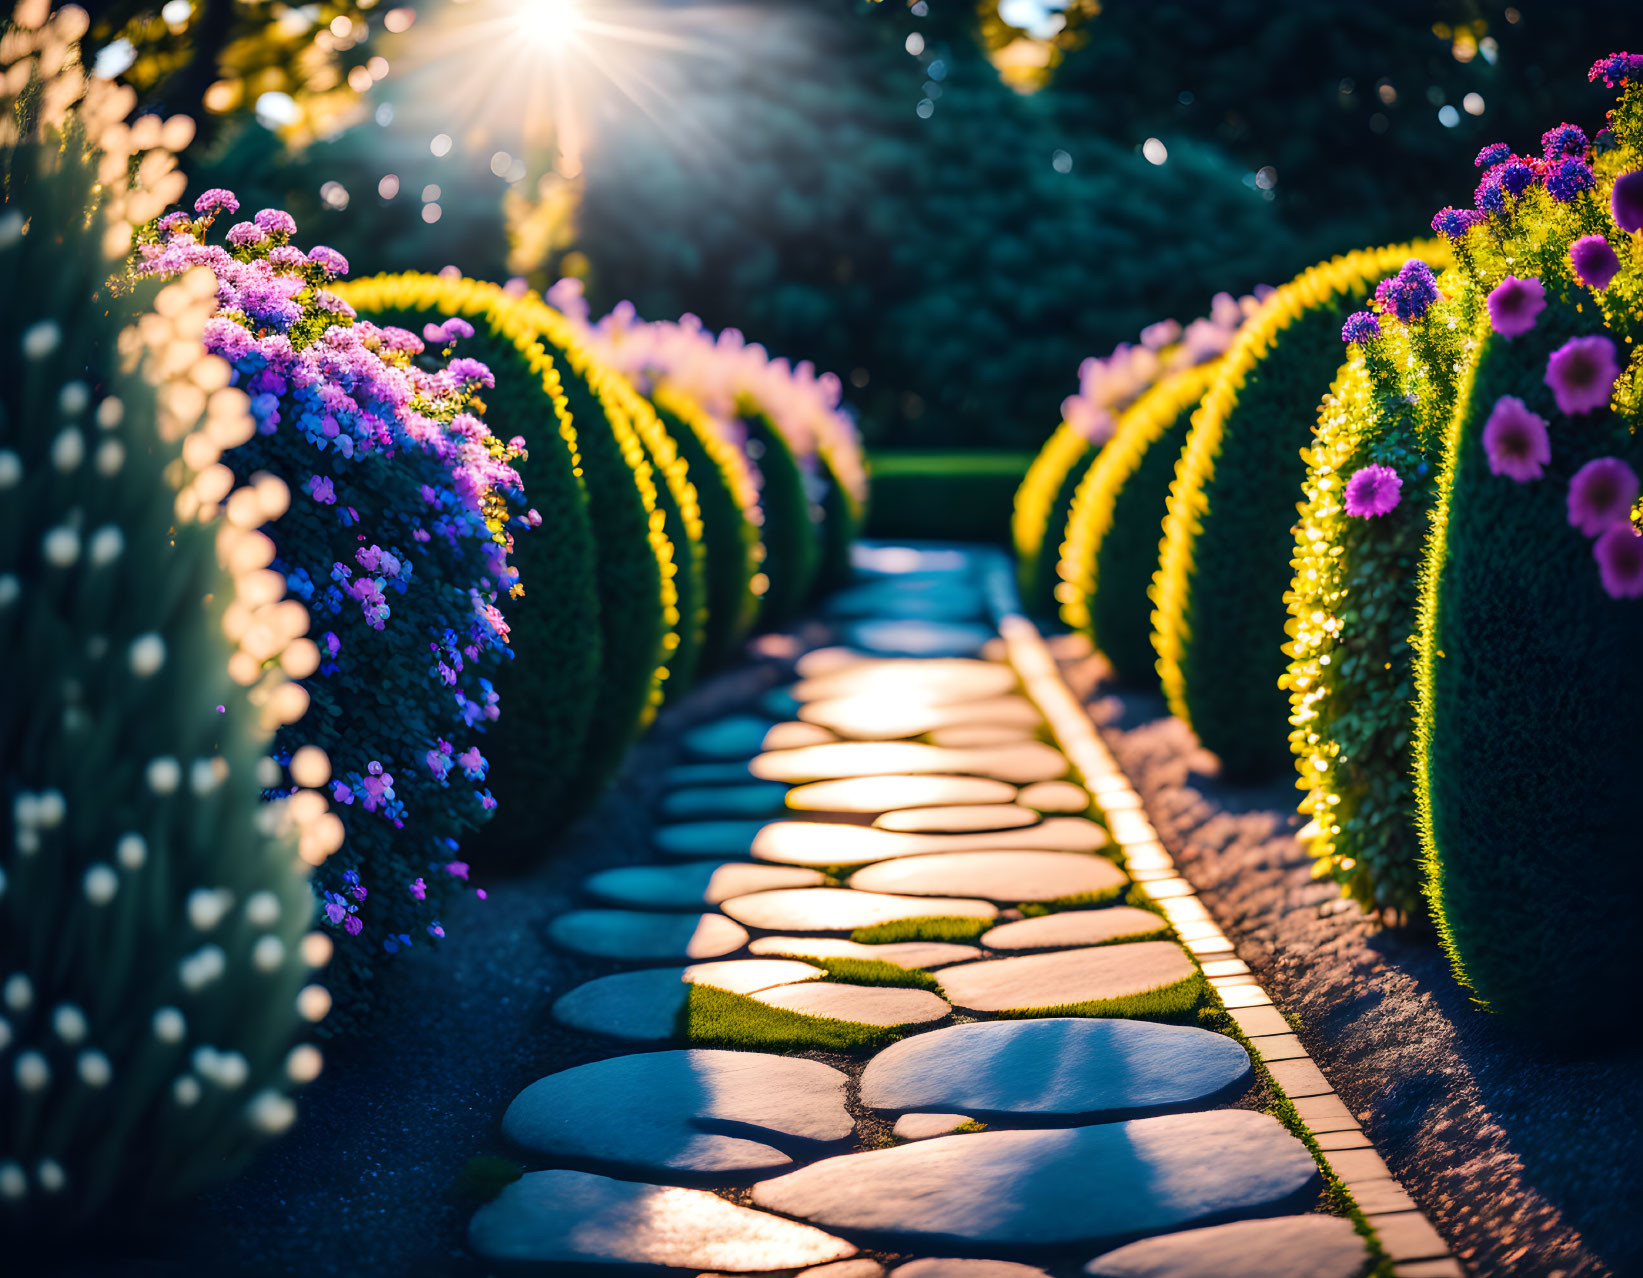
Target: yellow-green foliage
1040, 517
1529, 678
1351, 678
1224, 564
1115, 523
727, 487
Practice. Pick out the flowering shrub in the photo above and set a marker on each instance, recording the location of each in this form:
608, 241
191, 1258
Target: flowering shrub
152, 922
1371, 478
1224, 562
1106, 387
1111, 552
1527, 754
786, 417
607, 472
397, 542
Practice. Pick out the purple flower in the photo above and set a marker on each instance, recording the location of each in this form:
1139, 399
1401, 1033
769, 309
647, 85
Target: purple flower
328, 260
1361, 327
276, 221
1582, 374
1568, 178
1619, 555
1516, 441
471, 370
353, 924
435, 930
1564, 139
1627, 202
214, 199
1511, 178
419, 890
1411, 292
457, 328
1617, 68
1514, 304
323, 490
457, 869
1601, 494
1373, 491
1594, 261
1493, 154
1454, 223
245, 234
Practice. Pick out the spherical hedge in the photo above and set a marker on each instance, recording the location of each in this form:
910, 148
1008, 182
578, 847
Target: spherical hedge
1224, 566
843, 512
793, 553
1115, 523
551, 690
1352, 597
153, 910
1039, 522
727, 486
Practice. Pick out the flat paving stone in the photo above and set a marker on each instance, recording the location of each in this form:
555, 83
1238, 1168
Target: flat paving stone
964, 735
692, 884
935, 680
993, 876
926, 1126
824, 661
763, 798
919, 637
885, 715
874, 794
842, 910
825, 843
929, 601
642, 936
1057, 1188
1017, 763
920, 954
1310, 1246
1067, 929
645, 1006
1069, 1068
957, 819
653, 1113
685, 776
1055, 796
736, 736
571, 1218
944, 1267
863, 1004
1064, 978
718, 839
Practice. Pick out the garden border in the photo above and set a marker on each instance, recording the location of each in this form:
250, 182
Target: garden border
1405, 1235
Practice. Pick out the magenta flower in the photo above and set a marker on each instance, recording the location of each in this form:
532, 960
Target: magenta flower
1594, 261
214, 199
1373, 491
353, 924
276, 221
1516, 441
1627, 202
1619, 555
245, 234
1514, 304
1361, 327
1582, 374
419, 890
328, 260
457, 869
1601, 495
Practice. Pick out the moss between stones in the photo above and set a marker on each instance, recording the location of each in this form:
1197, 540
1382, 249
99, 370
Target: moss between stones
1077, 901
1178, 1003
860, 971
718, 1018
935, 927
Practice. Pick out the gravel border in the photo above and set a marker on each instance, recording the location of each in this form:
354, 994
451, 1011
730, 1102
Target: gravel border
1528, 1162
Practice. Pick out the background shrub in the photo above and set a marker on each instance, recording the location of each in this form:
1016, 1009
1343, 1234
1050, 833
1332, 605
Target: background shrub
551, 690
1224, 563
151, 917
1116, 521
397, 541
1352, 597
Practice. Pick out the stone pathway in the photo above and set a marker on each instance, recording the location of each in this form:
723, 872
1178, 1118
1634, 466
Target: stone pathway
915, 989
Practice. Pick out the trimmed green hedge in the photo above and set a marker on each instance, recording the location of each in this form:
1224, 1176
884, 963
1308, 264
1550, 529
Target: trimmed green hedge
1224, 565
551, 688
1530, 680
1115, 524
793, 553
957, 496
727, 489
1039, 522
842, 519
